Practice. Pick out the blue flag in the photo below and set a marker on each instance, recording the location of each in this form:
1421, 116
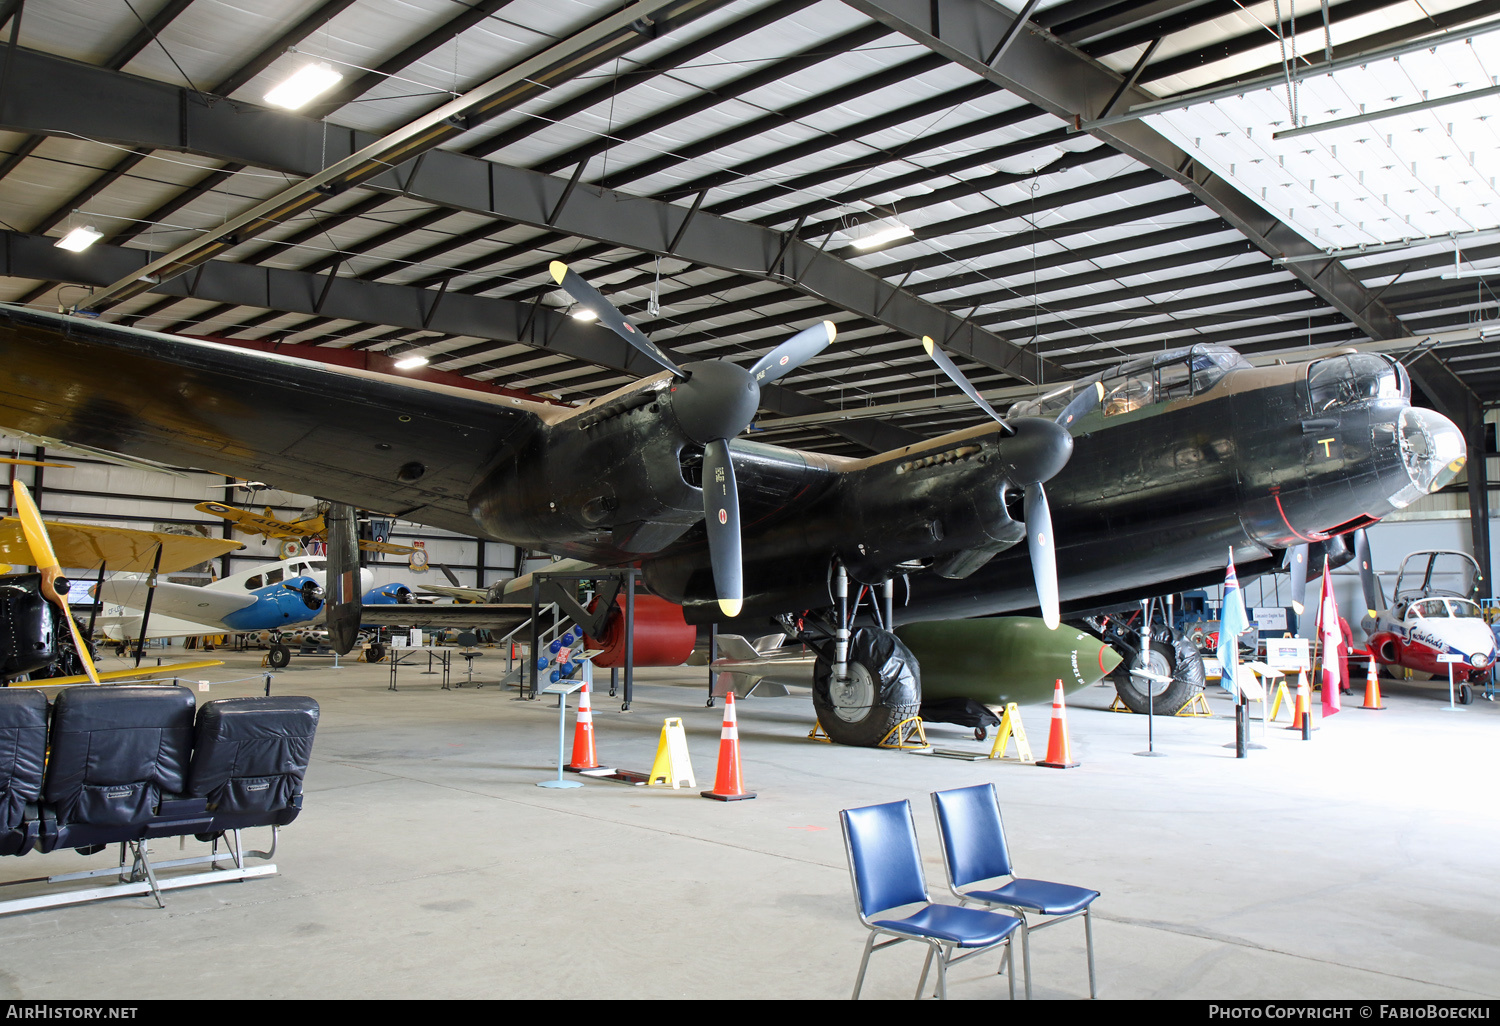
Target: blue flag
1232, 623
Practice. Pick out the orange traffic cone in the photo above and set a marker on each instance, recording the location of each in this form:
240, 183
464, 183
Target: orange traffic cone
1304, 702
1059, 752
728, 787
1372, 688
583, 736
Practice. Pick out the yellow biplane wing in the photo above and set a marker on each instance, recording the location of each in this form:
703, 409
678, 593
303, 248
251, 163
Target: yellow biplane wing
115, 676
389, 548
263, 523
118, 548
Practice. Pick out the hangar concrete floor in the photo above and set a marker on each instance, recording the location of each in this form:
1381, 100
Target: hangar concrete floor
428, 864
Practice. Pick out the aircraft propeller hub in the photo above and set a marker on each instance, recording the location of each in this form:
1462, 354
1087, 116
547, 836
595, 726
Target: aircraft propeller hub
1039, 449
718, 400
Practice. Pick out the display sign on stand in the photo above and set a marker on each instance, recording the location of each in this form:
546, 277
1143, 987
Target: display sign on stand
1288, 654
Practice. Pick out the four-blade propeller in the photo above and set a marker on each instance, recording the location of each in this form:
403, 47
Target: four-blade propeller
1041, 449
713, 401
54, 584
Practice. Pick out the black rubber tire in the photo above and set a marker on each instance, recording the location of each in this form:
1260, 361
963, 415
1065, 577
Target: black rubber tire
374, 653
1465, 694
980, 733
889, 675
278, 657
1186, 665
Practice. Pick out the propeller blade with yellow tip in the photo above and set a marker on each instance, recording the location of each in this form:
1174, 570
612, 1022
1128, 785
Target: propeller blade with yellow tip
591, 299
34, 463
45, 560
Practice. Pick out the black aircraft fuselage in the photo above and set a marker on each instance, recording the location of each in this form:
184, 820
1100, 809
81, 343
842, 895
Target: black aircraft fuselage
1189, 453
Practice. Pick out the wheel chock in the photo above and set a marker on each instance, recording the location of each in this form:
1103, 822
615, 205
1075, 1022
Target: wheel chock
819, 734
907, 735
1118, 705
1196, 706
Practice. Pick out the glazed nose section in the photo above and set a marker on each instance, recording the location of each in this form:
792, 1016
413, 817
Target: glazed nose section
1432, 448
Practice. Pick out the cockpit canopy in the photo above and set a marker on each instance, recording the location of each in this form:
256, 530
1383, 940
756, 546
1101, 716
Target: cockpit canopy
1445, 608
1175, 374
1352, 378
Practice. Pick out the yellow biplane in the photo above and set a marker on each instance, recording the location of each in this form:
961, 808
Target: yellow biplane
40, 599
269, 525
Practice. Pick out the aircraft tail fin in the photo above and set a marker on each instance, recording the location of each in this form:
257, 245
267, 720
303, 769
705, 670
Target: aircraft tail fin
342, 596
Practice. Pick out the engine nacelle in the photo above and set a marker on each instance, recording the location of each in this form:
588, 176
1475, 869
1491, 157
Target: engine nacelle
612, 475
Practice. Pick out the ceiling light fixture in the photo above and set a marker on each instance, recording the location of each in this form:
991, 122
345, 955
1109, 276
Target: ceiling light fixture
408, 362
890, 233
306, 85
79, 239
583, 313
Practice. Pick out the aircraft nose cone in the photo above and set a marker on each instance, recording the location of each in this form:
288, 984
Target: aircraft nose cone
1432, 447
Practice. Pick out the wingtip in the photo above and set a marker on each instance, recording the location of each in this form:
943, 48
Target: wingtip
833, 331
927, 344
731, 607
559, 270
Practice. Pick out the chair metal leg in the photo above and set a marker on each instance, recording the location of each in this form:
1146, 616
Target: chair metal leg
145, 864
1088, 935
859, 981
926, 965
943, 972
1010, 967
1025, 929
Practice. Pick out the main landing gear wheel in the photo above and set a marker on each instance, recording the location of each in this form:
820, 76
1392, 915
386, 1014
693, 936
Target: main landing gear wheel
278, 657
1465, 694
1179, 660
883, 686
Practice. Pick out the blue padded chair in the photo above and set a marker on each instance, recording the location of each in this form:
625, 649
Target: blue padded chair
974, 849
23, 752
886, 868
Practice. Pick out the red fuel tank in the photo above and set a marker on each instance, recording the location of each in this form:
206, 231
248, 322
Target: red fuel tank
662, 636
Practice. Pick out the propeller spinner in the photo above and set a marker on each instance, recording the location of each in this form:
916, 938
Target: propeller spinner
1041, 449
714, 401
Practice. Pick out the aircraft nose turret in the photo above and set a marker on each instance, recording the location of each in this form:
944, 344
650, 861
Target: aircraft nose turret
1433, 450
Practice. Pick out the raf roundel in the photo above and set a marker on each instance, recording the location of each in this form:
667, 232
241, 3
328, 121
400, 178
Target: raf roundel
723, 517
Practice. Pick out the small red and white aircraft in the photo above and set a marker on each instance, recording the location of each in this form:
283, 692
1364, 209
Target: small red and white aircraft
1432, 614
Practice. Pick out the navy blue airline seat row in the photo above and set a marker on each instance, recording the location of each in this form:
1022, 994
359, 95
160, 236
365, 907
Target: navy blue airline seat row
127, 764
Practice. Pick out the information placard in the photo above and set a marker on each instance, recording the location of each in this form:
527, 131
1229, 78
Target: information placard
1269, 618
1287, 654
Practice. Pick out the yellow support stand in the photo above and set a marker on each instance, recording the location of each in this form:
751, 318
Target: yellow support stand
906, 735
1010, 724
1280, 693
819, 734
1196, 706
1118, 706
672, 765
